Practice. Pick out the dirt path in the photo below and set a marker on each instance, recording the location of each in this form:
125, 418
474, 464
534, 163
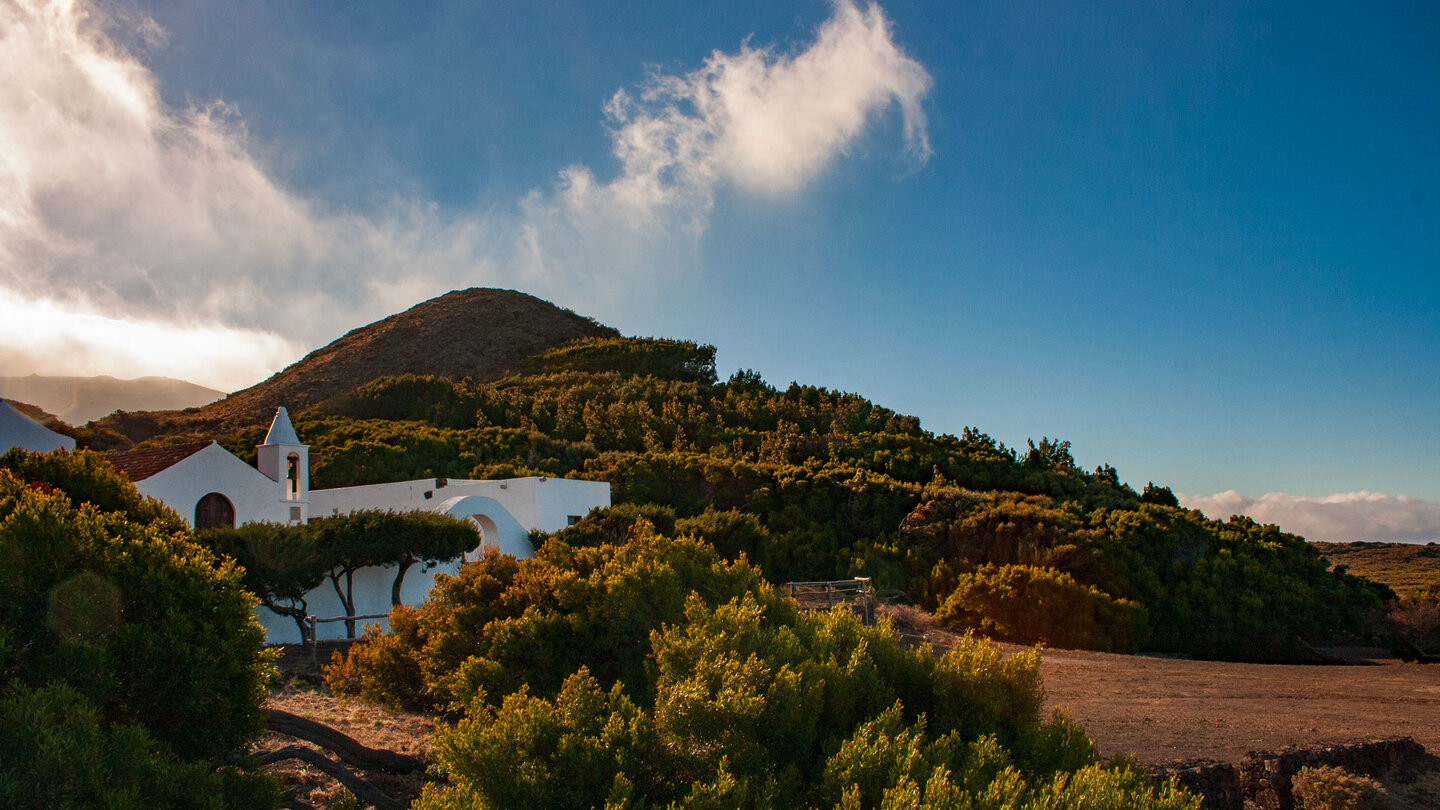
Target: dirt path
1166, 709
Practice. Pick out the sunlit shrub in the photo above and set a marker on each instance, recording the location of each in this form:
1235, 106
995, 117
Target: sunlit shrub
1030, 605
1333, 788
502, 623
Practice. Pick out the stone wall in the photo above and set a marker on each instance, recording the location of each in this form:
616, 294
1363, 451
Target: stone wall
1262, 781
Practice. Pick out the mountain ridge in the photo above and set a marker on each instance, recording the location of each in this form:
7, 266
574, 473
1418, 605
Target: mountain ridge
76, 400
480, 333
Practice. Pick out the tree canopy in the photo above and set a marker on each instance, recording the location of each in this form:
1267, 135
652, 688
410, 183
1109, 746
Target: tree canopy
120, 637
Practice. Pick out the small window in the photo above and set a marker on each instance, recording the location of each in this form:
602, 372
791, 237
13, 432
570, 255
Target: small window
429, 494
214, 511
571, 520
295, 514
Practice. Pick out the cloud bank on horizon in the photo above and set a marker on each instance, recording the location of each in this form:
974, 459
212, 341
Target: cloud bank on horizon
1342, 517
132, 231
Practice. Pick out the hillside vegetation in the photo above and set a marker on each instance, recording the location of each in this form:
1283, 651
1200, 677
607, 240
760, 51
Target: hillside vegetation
809, 483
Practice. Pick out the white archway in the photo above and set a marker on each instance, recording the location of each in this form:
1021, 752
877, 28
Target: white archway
489, 537
498, 529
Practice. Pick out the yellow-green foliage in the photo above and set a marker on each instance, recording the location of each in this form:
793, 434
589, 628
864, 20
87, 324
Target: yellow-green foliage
643, 670
742, 710
141, 627
504, 622
1029, 605
1334, 788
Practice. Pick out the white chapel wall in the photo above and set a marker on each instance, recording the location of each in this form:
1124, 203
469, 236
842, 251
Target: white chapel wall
214, 469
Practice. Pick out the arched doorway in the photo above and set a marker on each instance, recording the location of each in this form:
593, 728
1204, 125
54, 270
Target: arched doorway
496, 527
214, 511
489, 536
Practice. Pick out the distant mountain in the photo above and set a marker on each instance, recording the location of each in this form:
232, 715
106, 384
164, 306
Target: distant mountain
478, 333
76, 400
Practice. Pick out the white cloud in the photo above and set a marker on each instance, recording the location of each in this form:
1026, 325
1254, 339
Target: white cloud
1341, 517
43, 337
114, 205
762, 120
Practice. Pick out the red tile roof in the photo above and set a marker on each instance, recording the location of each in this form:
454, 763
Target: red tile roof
141, 464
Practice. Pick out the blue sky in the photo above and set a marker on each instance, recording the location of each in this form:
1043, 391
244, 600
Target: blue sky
1201, 241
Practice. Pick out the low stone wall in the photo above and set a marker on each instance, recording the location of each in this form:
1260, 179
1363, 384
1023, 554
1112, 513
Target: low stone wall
1262, 781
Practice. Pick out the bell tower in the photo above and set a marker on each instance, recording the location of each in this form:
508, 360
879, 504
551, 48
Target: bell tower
284, 460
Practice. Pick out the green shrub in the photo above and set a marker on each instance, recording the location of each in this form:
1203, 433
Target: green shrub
56, 752
755, 710
86, 477
502, 622
579, 750
657, 357
1030, 605
125, 647
1334, 788
148, 625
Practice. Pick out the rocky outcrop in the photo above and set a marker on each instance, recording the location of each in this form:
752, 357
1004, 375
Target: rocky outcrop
1262, 781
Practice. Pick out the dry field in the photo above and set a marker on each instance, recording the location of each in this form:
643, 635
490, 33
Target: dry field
1402, 566
1166, 709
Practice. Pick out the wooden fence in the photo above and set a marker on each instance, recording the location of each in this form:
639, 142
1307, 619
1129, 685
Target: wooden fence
857, 593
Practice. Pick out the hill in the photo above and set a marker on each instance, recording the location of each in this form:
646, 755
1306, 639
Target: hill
806, 482
480, 334
76, 400
1402, 566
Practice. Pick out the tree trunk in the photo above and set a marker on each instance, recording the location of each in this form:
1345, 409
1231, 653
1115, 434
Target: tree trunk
350, 751
296, 612
402, 567
347, 596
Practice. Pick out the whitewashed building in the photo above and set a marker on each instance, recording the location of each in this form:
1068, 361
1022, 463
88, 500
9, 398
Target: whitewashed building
19, 430
210, 486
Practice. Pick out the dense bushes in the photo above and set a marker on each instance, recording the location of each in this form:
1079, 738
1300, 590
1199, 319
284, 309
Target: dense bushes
84, 477
57, 751
651, 357
1235, 590
748, 711
120, 637
503, 623
1333, 788
1414, 619
1025, 604
645, 670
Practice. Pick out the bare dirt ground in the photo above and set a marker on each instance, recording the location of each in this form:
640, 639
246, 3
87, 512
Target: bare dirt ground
374, 727
1163, 709
1170, 710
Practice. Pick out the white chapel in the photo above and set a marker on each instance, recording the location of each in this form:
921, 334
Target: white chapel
210, 486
